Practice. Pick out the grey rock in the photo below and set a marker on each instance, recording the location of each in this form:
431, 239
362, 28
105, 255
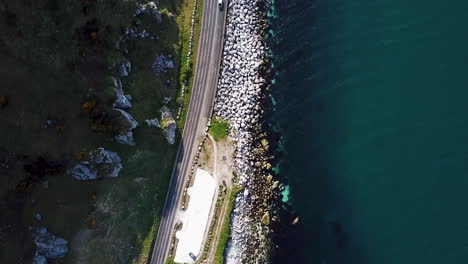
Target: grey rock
125, 68
38, 216
157, 15
149, 8
132, 122
168, 124
167, 99
39, 259
161, 64
122, 100
152, 122
100, 164
131, 33
127, 136
82, 172
48, 245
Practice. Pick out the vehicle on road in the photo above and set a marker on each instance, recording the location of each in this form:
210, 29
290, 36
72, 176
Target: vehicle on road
192, 256
220, 4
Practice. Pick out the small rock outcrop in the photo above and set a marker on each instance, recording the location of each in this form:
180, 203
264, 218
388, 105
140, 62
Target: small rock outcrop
99, 164
161, 64
152, 122
149, 8
122, 101
38, 217
38, 259
168, 124
126, 137
48, 245
125, 68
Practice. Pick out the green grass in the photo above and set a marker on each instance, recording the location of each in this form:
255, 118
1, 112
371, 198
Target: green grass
174, 38
219, 128
170, 261
188, 65
147, 247
56, 33
47, 73
224, 236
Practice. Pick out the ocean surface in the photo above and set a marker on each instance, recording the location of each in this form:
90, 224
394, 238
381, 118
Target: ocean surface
371, 100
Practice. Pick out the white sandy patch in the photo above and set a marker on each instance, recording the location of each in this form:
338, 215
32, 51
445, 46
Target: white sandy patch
195, 220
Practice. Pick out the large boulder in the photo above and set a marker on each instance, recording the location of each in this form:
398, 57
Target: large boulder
48, 245
126, 137
100, 164
168, 124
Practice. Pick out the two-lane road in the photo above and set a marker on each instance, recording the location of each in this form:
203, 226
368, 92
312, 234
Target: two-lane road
201, 101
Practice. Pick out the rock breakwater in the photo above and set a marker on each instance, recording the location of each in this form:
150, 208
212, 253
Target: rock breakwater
241, 90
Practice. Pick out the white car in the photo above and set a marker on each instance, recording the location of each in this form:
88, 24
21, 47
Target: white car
220, 4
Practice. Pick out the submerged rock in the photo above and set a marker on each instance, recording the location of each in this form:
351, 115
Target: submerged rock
48, 245
100, 164
161, 64
168, 124
127, 136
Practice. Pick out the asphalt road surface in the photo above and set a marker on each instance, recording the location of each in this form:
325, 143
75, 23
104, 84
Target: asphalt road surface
200, 107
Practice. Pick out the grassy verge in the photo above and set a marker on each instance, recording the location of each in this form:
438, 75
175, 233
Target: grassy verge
224, 236
187, 64
170, 261
147, 247
219, 128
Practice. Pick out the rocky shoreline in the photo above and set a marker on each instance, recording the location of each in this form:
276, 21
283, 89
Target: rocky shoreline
240, 95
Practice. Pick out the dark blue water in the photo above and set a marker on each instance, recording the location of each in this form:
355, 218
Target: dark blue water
372, 103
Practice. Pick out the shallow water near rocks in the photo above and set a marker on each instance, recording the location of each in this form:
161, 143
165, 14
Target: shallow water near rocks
371, 103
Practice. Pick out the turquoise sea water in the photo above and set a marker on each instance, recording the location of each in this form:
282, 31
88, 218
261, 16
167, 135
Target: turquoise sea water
371, 99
